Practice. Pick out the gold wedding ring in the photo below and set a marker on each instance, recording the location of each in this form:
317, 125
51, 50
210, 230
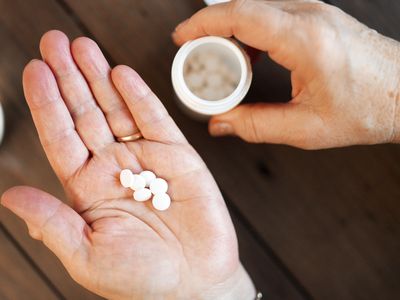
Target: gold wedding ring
130, 138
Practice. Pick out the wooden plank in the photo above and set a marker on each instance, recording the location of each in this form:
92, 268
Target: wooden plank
22, 161
17, 278
27, 165
331, 216
266, 272
327, 213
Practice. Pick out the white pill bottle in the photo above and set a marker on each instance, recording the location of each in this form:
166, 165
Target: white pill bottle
215, 53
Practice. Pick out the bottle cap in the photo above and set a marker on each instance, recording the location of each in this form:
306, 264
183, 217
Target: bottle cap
231, 54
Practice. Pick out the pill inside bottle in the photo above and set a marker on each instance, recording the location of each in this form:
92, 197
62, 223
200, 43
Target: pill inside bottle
212, 72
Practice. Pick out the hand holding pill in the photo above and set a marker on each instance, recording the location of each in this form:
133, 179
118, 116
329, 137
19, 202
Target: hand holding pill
129, 229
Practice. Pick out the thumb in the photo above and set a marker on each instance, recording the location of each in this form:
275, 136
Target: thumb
60, 228
283, 123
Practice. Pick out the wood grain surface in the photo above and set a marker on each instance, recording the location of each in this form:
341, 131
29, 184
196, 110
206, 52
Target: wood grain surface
322, 224
17, 278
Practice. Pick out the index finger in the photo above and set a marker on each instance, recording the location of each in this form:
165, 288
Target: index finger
259, 24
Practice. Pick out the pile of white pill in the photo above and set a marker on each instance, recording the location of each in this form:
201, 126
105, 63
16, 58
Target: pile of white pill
146, 185
209, 76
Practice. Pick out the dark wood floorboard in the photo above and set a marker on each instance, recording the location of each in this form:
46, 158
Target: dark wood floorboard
17, 278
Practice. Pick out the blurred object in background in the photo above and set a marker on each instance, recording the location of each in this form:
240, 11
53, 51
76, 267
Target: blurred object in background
1, 123
210, 2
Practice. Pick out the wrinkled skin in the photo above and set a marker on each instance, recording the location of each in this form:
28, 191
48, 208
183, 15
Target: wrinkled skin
345, 80
345, 76
109, 243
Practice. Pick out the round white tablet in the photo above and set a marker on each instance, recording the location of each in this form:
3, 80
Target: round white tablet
161, 201
138, 182
195, 64
149, 176
142, 195
126, 178
158, 186
215, 80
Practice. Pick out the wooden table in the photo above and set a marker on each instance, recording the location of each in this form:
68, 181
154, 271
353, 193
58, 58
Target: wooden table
311, 225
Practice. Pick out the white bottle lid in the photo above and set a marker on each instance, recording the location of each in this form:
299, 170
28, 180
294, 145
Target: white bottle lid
230, 50
1, 123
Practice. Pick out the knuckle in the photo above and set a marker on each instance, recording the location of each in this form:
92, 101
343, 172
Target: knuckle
231, 14
236, 7
252, 128
319, 7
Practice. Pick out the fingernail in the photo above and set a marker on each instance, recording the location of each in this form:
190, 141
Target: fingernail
221, 129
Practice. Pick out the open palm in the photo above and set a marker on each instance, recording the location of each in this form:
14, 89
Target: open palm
109, 243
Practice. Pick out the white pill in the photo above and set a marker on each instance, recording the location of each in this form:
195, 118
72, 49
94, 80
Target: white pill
194, 80
214, 80
227, 90
126, 178
209, 93
233, 77
224, 69
149, 176
220, 94
138, 182
161, 201
195, 64
211, 62
142, 195
158, 186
